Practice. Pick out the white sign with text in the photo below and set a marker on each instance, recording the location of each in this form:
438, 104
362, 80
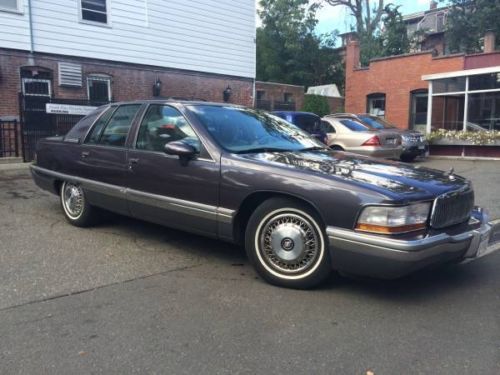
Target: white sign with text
68, 109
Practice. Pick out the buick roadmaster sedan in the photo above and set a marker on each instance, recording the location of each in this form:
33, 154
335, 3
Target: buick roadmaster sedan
300, 209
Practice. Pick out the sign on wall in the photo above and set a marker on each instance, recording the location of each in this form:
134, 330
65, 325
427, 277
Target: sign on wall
68, 109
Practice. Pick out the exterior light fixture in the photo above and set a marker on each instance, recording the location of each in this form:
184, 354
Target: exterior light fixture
157, 87
226, 94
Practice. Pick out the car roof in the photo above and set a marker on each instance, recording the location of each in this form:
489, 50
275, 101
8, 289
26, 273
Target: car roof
175, 101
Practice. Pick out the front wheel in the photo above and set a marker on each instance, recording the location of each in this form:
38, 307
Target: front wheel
75, 206
286, 244
336, 148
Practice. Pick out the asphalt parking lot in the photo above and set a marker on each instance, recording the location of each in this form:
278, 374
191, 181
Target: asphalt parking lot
132, 297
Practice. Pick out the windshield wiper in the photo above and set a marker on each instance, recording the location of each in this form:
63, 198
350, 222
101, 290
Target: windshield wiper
260, 149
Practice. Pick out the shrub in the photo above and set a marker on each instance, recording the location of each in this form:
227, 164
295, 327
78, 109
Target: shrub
316, 104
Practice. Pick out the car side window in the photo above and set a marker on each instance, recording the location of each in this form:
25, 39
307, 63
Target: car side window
116, 131
96, 131
163, 124
326, 127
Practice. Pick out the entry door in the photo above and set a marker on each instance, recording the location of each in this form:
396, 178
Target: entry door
103, 159
165, 189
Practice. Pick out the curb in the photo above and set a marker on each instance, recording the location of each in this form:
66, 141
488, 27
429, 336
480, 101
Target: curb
468, 158
14, 166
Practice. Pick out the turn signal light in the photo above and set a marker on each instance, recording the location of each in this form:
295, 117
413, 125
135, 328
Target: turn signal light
389, 230
373, 141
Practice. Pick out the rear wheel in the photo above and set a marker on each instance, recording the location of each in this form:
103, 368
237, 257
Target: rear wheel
407, 158
286, 244
75, 207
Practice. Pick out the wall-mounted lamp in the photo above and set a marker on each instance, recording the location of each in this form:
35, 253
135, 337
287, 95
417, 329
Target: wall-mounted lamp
226, 94
157, 87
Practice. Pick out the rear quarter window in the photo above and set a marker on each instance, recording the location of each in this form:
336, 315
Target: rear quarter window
82, 127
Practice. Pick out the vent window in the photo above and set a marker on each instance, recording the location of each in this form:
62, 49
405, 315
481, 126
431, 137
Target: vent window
70, 74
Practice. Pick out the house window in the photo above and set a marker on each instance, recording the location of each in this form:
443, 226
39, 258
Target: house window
261, 95
99, 88
94, 11
11, 5
36, 87
376, 104
288, 97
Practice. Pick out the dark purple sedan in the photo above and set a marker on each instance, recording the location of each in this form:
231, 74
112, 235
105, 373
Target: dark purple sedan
242, 175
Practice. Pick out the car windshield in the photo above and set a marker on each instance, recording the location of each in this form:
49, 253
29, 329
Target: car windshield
245, 130
376, 122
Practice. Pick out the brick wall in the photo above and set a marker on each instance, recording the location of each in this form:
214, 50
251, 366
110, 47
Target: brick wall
395, 76
275, 92
129, 82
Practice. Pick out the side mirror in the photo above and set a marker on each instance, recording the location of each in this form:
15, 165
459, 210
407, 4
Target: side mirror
181, 149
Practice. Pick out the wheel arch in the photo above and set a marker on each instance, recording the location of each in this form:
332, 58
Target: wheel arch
253, 200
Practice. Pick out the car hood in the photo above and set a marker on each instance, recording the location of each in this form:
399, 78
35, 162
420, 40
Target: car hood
388, 177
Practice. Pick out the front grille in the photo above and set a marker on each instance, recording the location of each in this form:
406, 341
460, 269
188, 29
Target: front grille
452, 208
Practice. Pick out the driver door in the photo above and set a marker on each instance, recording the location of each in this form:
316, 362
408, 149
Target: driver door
165, 189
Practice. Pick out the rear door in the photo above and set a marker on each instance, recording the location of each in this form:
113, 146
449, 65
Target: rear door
103, 158
165, 189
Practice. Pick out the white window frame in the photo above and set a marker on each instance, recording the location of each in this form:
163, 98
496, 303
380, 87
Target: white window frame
373, 97
95, 23
101, 78
49, 85
18, 10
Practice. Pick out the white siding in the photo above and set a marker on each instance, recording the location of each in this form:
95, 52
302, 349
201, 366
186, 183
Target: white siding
14, 29
215, 36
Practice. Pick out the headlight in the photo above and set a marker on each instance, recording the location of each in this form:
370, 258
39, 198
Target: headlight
387, 219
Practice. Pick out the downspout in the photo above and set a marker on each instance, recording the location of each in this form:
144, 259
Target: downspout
31, 59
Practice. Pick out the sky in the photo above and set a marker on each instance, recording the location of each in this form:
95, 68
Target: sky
331, 18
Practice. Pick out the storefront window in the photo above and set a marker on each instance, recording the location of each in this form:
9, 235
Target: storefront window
448, 112
484, 111
484, 82
470, 103
454, 84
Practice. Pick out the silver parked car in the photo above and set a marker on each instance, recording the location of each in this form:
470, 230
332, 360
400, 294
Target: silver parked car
414, 142
350, 134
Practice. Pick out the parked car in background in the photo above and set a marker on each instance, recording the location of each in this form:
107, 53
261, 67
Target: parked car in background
245, 176
351, 134
309, 122
413, 142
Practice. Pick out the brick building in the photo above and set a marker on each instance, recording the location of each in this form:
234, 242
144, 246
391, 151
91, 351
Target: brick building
398, 88
95, 51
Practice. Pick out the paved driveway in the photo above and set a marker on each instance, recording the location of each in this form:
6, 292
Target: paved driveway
131, 297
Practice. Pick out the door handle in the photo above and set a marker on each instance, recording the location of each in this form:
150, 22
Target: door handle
85, 154
133, 160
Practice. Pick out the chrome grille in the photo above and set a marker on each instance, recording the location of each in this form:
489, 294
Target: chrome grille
452, 208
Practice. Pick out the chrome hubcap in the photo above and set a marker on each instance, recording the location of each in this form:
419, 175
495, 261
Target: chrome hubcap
73, 200
289, 243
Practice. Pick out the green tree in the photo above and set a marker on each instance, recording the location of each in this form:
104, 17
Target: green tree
316, 104
367, 25
467, 22
380, 29
289, 51
395, 39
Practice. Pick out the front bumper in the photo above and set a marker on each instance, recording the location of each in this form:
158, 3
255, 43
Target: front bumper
383, 257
